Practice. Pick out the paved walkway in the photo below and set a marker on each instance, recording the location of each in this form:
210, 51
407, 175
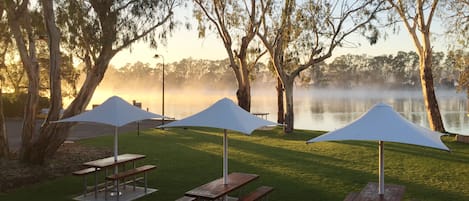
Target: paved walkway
79, 131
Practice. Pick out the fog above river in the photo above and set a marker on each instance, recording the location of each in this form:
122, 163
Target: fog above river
315, 109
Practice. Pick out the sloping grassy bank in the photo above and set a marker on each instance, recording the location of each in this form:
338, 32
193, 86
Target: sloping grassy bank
187, 158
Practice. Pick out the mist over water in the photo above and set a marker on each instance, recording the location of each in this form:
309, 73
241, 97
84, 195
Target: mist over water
315, 109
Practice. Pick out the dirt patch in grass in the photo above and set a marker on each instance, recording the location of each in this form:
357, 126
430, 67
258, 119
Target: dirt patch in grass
68, 158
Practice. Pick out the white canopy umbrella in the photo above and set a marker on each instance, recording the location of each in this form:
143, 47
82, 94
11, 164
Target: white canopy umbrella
115, 112
383, 123
226, 115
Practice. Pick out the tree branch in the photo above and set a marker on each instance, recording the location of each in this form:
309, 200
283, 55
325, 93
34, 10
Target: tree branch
127, 43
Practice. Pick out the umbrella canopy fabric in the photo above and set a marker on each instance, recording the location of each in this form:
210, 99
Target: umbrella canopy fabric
115, 112
382, 123
226, 115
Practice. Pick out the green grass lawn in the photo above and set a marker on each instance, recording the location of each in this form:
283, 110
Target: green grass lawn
325, 171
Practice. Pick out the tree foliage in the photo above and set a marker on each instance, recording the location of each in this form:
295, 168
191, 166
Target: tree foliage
300, 35
236, 23
91, 30
456, 15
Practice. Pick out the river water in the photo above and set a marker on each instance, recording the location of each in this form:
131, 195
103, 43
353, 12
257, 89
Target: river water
315, 109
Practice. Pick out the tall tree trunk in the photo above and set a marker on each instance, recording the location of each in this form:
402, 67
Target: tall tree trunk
4, 149
289, 116
244, 85
420, 22
57, 133
431, 103
31, 66
38, 153
280, 108
30, 109
244, 96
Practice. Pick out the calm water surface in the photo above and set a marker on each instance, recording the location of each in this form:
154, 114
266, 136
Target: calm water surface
315, 109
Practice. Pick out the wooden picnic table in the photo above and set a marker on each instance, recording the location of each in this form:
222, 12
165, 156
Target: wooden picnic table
111, 162
216, 189
261, 114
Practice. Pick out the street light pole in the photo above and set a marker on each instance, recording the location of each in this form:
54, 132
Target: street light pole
162, 101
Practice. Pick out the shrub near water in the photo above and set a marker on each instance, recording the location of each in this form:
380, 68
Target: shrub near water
13, 104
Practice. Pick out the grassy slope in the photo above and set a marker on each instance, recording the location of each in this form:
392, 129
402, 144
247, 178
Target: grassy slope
321, 171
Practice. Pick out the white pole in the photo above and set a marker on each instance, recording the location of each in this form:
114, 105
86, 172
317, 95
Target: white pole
381, 168
115, 160
225, 158
115, 143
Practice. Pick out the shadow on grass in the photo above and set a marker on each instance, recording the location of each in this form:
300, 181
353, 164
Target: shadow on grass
415, 150
325, 166
192, 157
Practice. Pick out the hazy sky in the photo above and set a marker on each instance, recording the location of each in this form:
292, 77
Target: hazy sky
185, 43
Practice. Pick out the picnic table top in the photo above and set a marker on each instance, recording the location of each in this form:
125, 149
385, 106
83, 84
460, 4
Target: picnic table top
216, 189
109, 161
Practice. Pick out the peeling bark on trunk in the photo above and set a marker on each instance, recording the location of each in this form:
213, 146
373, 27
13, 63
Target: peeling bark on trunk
30, 64
431, 103
244, 96
280, 108
30, 110
57, 133
289, 115
4, 149
46, 133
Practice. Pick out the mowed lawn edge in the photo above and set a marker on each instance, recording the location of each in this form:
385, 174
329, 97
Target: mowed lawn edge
187, 158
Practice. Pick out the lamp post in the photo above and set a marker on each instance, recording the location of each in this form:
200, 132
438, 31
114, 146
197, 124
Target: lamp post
162, 101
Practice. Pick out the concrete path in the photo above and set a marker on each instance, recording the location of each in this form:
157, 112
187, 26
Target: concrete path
79, 131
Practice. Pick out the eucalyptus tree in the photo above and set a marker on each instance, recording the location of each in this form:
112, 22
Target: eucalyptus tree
236, 23
300, 35
4, 43
93, 31
21, 20
417, 17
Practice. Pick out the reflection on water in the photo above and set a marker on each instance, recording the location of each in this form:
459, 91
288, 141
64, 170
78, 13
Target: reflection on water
329, 110
316, 109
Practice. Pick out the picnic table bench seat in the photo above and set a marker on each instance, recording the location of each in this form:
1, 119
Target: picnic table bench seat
257, 194
83, 173
128, 173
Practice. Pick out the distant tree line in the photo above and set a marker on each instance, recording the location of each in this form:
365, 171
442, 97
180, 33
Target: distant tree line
398, 70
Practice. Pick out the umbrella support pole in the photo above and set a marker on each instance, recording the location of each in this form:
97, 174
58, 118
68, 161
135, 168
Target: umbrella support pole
116, 170
381, 169
225, 157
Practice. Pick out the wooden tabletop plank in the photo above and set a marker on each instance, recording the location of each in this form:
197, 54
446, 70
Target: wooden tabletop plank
108, 162
216, 189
